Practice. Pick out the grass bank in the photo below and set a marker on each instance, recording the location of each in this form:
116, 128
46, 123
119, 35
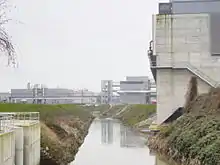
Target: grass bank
131, 114
137, 113
48, 112
63, 129
194, 138
112, 110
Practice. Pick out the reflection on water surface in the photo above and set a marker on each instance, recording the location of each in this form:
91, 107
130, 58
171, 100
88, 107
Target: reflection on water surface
111, 143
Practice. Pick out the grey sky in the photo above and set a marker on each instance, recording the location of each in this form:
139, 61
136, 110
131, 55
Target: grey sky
76, 43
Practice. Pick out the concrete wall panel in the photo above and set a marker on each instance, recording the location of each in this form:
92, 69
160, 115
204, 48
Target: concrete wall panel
19, 146
184, 41
190, 42
133, 98
172, 86
164, 93
7, 148
32, 144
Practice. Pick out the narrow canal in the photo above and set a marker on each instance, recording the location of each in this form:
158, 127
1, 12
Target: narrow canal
111, 143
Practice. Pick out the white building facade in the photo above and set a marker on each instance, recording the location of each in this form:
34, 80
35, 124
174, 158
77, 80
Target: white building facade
133, 90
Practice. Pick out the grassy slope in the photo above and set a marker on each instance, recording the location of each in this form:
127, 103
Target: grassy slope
57, 123
137, 113
47, 112
113, 110
195, 137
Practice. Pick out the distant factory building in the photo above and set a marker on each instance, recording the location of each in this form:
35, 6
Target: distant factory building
109, 93
5, 97
40, 94
135, 90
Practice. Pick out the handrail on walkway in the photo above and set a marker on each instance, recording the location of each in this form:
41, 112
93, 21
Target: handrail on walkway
8, 120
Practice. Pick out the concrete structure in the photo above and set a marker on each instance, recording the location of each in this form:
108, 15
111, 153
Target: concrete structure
127, 92
5, 97
19, 138
7, 148
41, 95
7, 142
135, 90
19, 145
184, 45
108, 93
195, 7
189, 7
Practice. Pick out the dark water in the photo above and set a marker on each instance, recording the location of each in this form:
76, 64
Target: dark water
111, 143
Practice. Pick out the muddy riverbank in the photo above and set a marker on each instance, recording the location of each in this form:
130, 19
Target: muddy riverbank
62, 139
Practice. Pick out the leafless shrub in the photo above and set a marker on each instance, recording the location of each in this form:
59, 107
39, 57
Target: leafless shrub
192, 92
6, 46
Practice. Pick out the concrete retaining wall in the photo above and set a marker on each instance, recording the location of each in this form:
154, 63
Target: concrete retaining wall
7, 148
21, 146
32, 144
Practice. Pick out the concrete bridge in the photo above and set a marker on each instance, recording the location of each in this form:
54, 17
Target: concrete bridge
19, 138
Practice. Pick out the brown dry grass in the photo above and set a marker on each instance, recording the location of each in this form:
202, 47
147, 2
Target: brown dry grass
63, 137
192, 92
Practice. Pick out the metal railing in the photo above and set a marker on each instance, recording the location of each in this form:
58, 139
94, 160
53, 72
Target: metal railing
197, 72
8, 120
27, 116
191, 68
153, 63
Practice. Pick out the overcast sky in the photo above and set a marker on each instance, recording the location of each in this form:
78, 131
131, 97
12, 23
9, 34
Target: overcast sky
77, 43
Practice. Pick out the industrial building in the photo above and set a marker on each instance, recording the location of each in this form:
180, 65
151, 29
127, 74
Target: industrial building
109, 93
40, 94
133, 90
185, 43
5, 97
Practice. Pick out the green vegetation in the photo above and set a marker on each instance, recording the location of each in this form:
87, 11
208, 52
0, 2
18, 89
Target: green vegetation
137, 113
48, 112
194, 137
63, 129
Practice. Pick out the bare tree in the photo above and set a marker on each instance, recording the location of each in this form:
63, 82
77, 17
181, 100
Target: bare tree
6, 46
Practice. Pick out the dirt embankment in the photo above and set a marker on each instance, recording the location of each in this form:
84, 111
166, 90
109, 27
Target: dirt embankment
63, 129
194, 138
61, 139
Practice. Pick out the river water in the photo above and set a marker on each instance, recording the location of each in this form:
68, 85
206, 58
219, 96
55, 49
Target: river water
111, 143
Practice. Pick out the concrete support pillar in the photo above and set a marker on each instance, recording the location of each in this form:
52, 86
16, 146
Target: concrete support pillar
32, 144
7, 148
19, 146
